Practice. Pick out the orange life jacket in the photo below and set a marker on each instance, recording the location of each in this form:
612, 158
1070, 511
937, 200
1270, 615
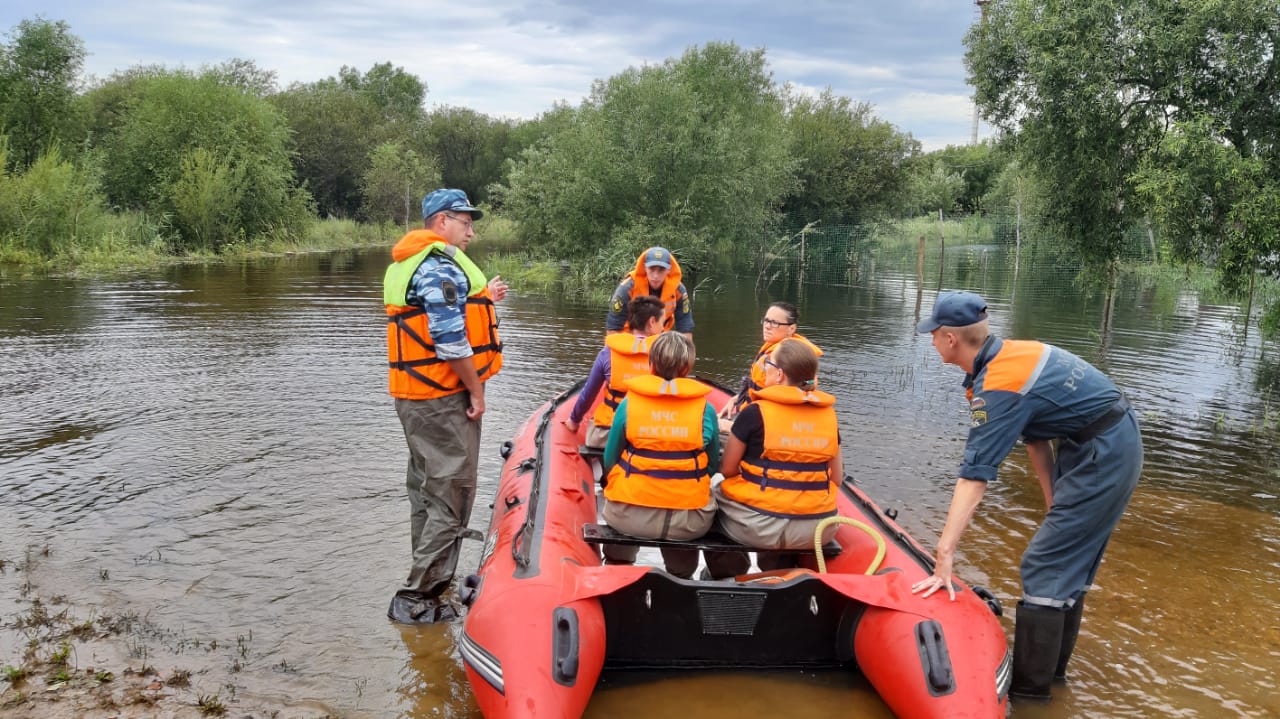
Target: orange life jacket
628, 357
791, 478
414, 370
664, 461
669, 293
755, 382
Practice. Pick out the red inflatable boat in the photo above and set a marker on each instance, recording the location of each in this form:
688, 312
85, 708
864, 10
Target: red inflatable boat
546, 616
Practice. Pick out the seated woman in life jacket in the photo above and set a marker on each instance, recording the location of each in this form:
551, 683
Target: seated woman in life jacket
781, 465
662, 449
778, 324
625, 355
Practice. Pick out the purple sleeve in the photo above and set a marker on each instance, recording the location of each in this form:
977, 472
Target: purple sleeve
599, 375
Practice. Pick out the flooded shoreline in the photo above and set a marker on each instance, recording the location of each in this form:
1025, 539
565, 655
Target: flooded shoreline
213, 449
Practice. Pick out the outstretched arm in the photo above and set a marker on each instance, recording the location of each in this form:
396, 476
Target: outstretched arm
965, 499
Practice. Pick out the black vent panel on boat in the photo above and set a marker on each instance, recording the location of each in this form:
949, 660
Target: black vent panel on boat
729, 612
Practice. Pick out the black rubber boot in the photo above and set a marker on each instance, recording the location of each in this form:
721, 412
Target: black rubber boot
1037, 641
1070, 630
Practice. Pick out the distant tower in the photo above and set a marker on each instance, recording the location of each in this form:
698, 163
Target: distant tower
973, 130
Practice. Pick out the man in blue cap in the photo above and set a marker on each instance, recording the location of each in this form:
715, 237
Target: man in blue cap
442, 345
1047, 396
656, 274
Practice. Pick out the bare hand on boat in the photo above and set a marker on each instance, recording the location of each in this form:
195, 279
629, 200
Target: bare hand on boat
941, 578
571, 425
497, 288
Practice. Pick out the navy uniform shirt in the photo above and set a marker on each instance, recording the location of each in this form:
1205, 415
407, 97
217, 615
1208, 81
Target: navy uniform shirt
1027, 389
681, 319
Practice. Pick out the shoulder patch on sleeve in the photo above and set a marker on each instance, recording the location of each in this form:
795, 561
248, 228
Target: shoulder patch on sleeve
617, 304
977, 411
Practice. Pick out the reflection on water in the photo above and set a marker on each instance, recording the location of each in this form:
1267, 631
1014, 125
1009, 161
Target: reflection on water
214, 447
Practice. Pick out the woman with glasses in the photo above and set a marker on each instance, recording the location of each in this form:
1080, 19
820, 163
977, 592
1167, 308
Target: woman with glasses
781, 465
663, 447
779, 324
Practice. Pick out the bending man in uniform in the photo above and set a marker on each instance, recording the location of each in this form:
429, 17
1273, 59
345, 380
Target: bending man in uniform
658, 274
1041, 393
442, 345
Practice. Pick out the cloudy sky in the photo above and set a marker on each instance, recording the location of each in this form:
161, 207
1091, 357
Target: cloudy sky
515, 58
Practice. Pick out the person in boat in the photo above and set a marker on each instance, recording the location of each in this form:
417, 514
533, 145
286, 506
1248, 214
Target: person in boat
662, 449
625, 355
779, 323
658, 274
1046, 396
442, 346
781, 465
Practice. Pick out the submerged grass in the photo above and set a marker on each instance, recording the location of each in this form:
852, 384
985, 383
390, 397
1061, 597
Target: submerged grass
47, 676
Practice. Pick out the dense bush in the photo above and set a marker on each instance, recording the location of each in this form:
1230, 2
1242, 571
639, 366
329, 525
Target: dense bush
213, 156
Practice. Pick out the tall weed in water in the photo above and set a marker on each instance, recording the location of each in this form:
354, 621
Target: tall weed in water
499, 233
50, 207
524, 273
336, 234
206, 198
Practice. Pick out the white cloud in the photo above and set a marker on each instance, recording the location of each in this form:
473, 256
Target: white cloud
518, 57
789, 64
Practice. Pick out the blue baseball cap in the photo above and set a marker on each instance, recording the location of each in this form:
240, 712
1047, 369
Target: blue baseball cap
657, 257
449, 200
954, 309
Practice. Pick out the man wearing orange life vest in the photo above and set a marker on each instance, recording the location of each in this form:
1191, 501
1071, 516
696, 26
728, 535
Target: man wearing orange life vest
625, 355
781, 466
662, 448
658, 274
442, 345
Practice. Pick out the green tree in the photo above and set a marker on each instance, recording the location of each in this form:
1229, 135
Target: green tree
978, 165
107, 104
1056, 73
337, 122
471, 146
691, 153
936, 189
395, 183
334, 129
152, 159
246, 75
205, 198
849, 163
1216, 205
50, 206
397, 94
1092, 90
1014, 203
39, 78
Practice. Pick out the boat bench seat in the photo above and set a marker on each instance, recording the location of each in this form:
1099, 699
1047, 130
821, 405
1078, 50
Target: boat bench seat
710, 542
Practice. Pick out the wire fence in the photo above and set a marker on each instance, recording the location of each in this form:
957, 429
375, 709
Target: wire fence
839, 254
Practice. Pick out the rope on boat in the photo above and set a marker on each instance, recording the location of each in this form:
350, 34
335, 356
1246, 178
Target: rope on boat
817, 542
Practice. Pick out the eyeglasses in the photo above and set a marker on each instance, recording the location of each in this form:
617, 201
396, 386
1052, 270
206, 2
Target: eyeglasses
469, 224
768, 362
774, 324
